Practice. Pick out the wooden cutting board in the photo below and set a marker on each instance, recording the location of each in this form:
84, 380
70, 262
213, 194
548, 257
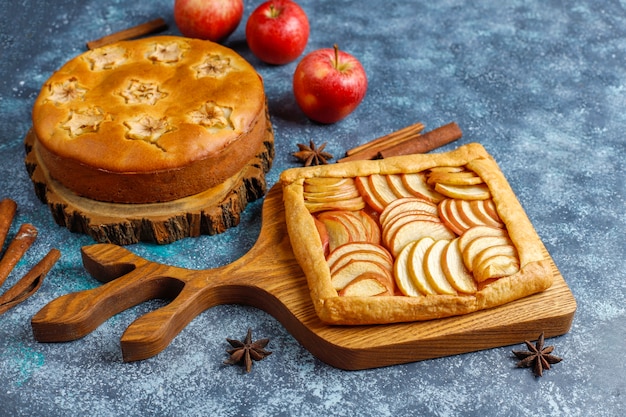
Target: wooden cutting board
268, 277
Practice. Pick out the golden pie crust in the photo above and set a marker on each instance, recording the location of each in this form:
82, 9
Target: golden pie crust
150, 120
534, 274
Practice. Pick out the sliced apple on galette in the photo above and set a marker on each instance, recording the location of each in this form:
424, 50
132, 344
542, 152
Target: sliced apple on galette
411, 238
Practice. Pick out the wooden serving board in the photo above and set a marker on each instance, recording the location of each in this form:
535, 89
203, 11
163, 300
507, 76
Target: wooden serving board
268, 277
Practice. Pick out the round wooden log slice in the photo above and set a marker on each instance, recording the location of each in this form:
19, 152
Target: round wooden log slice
207, 213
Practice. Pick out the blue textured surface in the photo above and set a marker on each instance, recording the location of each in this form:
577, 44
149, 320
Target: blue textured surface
541, 84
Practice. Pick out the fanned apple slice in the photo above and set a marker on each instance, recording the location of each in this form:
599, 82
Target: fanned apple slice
380, 188
354, 216
446, 215
496, 267
487, 208
356, 229
331, 195
350, 247
447, 169
397, 186
481, 210
361, 229
356, 203
390, 282
456, 217
359, 251
398, 221
363, 185
406, 204
464, 192
416, 184
338, 234
415, 231
344, 275
338, 215
368, 284
454, 178
401, 272
362, 255
458, 276
491, 209
323, 232
434, 270
464, 208
479, 244
328, 184
371, 226
416, 265
323, 183
479, 231
492, 251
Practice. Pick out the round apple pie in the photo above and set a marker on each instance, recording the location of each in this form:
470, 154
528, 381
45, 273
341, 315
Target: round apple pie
150, 120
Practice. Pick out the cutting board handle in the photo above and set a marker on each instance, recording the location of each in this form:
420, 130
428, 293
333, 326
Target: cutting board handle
129, 281
256, 279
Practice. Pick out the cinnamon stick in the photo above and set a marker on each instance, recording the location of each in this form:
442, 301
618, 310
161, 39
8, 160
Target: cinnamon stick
8, 208
29, 283
152, 26
425, 142
24, 238
387, 139
371, 149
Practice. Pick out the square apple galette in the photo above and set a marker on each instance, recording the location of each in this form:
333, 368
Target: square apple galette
411, 238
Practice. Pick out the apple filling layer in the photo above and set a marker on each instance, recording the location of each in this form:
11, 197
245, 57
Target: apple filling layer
411, 238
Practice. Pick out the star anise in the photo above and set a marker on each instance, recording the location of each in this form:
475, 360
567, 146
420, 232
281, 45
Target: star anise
537, 356
247, 351
311, 155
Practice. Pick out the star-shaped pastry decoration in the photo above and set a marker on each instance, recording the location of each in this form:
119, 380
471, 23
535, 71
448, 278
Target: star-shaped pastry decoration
106, 58
147, 128
211, 115
167, 53
66, 91
213, 66
83, 122
139, 92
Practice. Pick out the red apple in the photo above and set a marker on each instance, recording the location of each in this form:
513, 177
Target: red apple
329, 84
277, 31
214, 20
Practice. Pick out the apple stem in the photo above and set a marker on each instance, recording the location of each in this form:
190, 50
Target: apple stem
336, 63
274, 12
